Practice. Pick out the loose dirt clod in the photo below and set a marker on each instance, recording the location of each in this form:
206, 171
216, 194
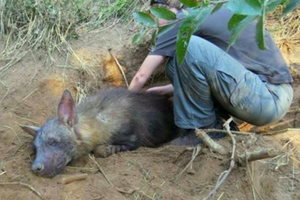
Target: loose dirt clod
72, 178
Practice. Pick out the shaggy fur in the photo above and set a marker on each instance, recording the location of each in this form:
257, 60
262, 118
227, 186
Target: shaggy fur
114, 120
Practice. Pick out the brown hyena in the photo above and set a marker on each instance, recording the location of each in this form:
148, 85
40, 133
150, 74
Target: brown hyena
114, 120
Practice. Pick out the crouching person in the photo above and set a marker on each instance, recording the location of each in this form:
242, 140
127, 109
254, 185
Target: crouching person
246, 82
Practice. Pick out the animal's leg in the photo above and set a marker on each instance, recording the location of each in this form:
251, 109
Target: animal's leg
107, 150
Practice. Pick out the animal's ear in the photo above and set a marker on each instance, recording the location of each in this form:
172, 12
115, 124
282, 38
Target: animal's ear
67, 109
31, 130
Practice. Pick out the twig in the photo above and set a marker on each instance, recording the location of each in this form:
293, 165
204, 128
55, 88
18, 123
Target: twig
29, 94
100, 169
119, 66
125, 192
196, 152
72, 178
2, 173
25, 185
257, 155
267, 129
7, 91
225, 131
210, 142
226, 173
293, 111
221, 196
271, 133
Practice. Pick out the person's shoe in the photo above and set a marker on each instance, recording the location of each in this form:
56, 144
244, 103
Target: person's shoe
188, 136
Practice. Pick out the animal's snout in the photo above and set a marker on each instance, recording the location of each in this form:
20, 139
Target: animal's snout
37, 168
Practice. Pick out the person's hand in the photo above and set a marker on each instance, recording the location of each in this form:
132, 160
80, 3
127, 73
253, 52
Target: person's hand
162, 90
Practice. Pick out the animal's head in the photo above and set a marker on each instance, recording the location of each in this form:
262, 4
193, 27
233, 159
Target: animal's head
55, 142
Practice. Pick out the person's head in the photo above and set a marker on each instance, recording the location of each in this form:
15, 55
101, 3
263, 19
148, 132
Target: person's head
167, 3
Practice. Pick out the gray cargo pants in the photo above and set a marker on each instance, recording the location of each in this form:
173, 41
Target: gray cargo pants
208, 72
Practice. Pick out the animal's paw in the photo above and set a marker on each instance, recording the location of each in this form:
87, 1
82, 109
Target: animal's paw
104, 151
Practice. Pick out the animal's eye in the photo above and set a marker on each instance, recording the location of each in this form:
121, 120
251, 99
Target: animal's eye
52, 141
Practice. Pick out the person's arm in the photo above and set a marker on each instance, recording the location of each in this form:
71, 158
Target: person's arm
141, 77
162, 90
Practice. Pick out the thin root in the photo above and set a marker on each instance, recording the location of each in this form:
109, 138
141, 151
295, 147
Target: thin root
226, 173
196, 152
120, 67
100, 169
210, 142
25, 185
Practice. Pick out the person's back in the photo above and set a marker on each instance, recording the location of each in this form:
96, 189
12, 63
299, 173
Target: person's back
269, 64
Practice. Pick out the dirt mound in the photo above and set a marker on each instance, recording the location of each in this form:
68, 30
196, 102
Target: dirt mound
31, 92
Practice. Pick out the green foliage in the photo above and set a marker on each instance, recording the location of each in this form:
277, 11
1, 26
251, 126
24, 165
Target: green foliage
260, 33
244, 12
118, 9
151, 22
163, 13
138, 37
245, 7
190, 3
145, 19
164, 29
260, 28
237, 24
187, 28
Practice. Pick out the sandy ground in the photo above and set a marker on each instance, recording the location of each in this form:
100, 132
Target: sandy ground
30, 91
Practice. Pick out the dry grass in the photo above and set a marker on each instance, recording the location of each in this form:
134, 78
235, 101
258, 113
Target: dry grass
30, 25
285, 31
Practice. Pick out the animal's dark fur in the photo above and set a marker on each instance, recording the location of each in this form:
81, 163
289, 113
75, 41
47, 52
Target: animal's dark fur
146, 116
113, 120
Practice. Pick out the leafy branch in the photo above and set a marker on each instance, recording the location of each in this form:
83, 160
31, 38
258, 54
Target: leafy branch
244, 12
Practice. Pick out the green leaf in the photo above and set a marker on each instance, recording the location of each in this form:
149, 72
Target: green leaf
153, 38
217, 7
236, 25
190, 3
187, 28
290, 6
260, 33
139, 36
163, 13
260, 30
245, 7
145, 19
234, 21
183, 39
165, 28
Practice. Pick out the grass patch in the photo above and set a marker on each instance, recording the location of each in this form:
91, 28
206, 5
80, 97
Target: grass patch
285, 30
29, 25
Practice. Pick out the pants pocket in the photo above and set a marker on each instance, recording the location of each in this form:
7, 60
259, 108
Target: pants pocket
245, 94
